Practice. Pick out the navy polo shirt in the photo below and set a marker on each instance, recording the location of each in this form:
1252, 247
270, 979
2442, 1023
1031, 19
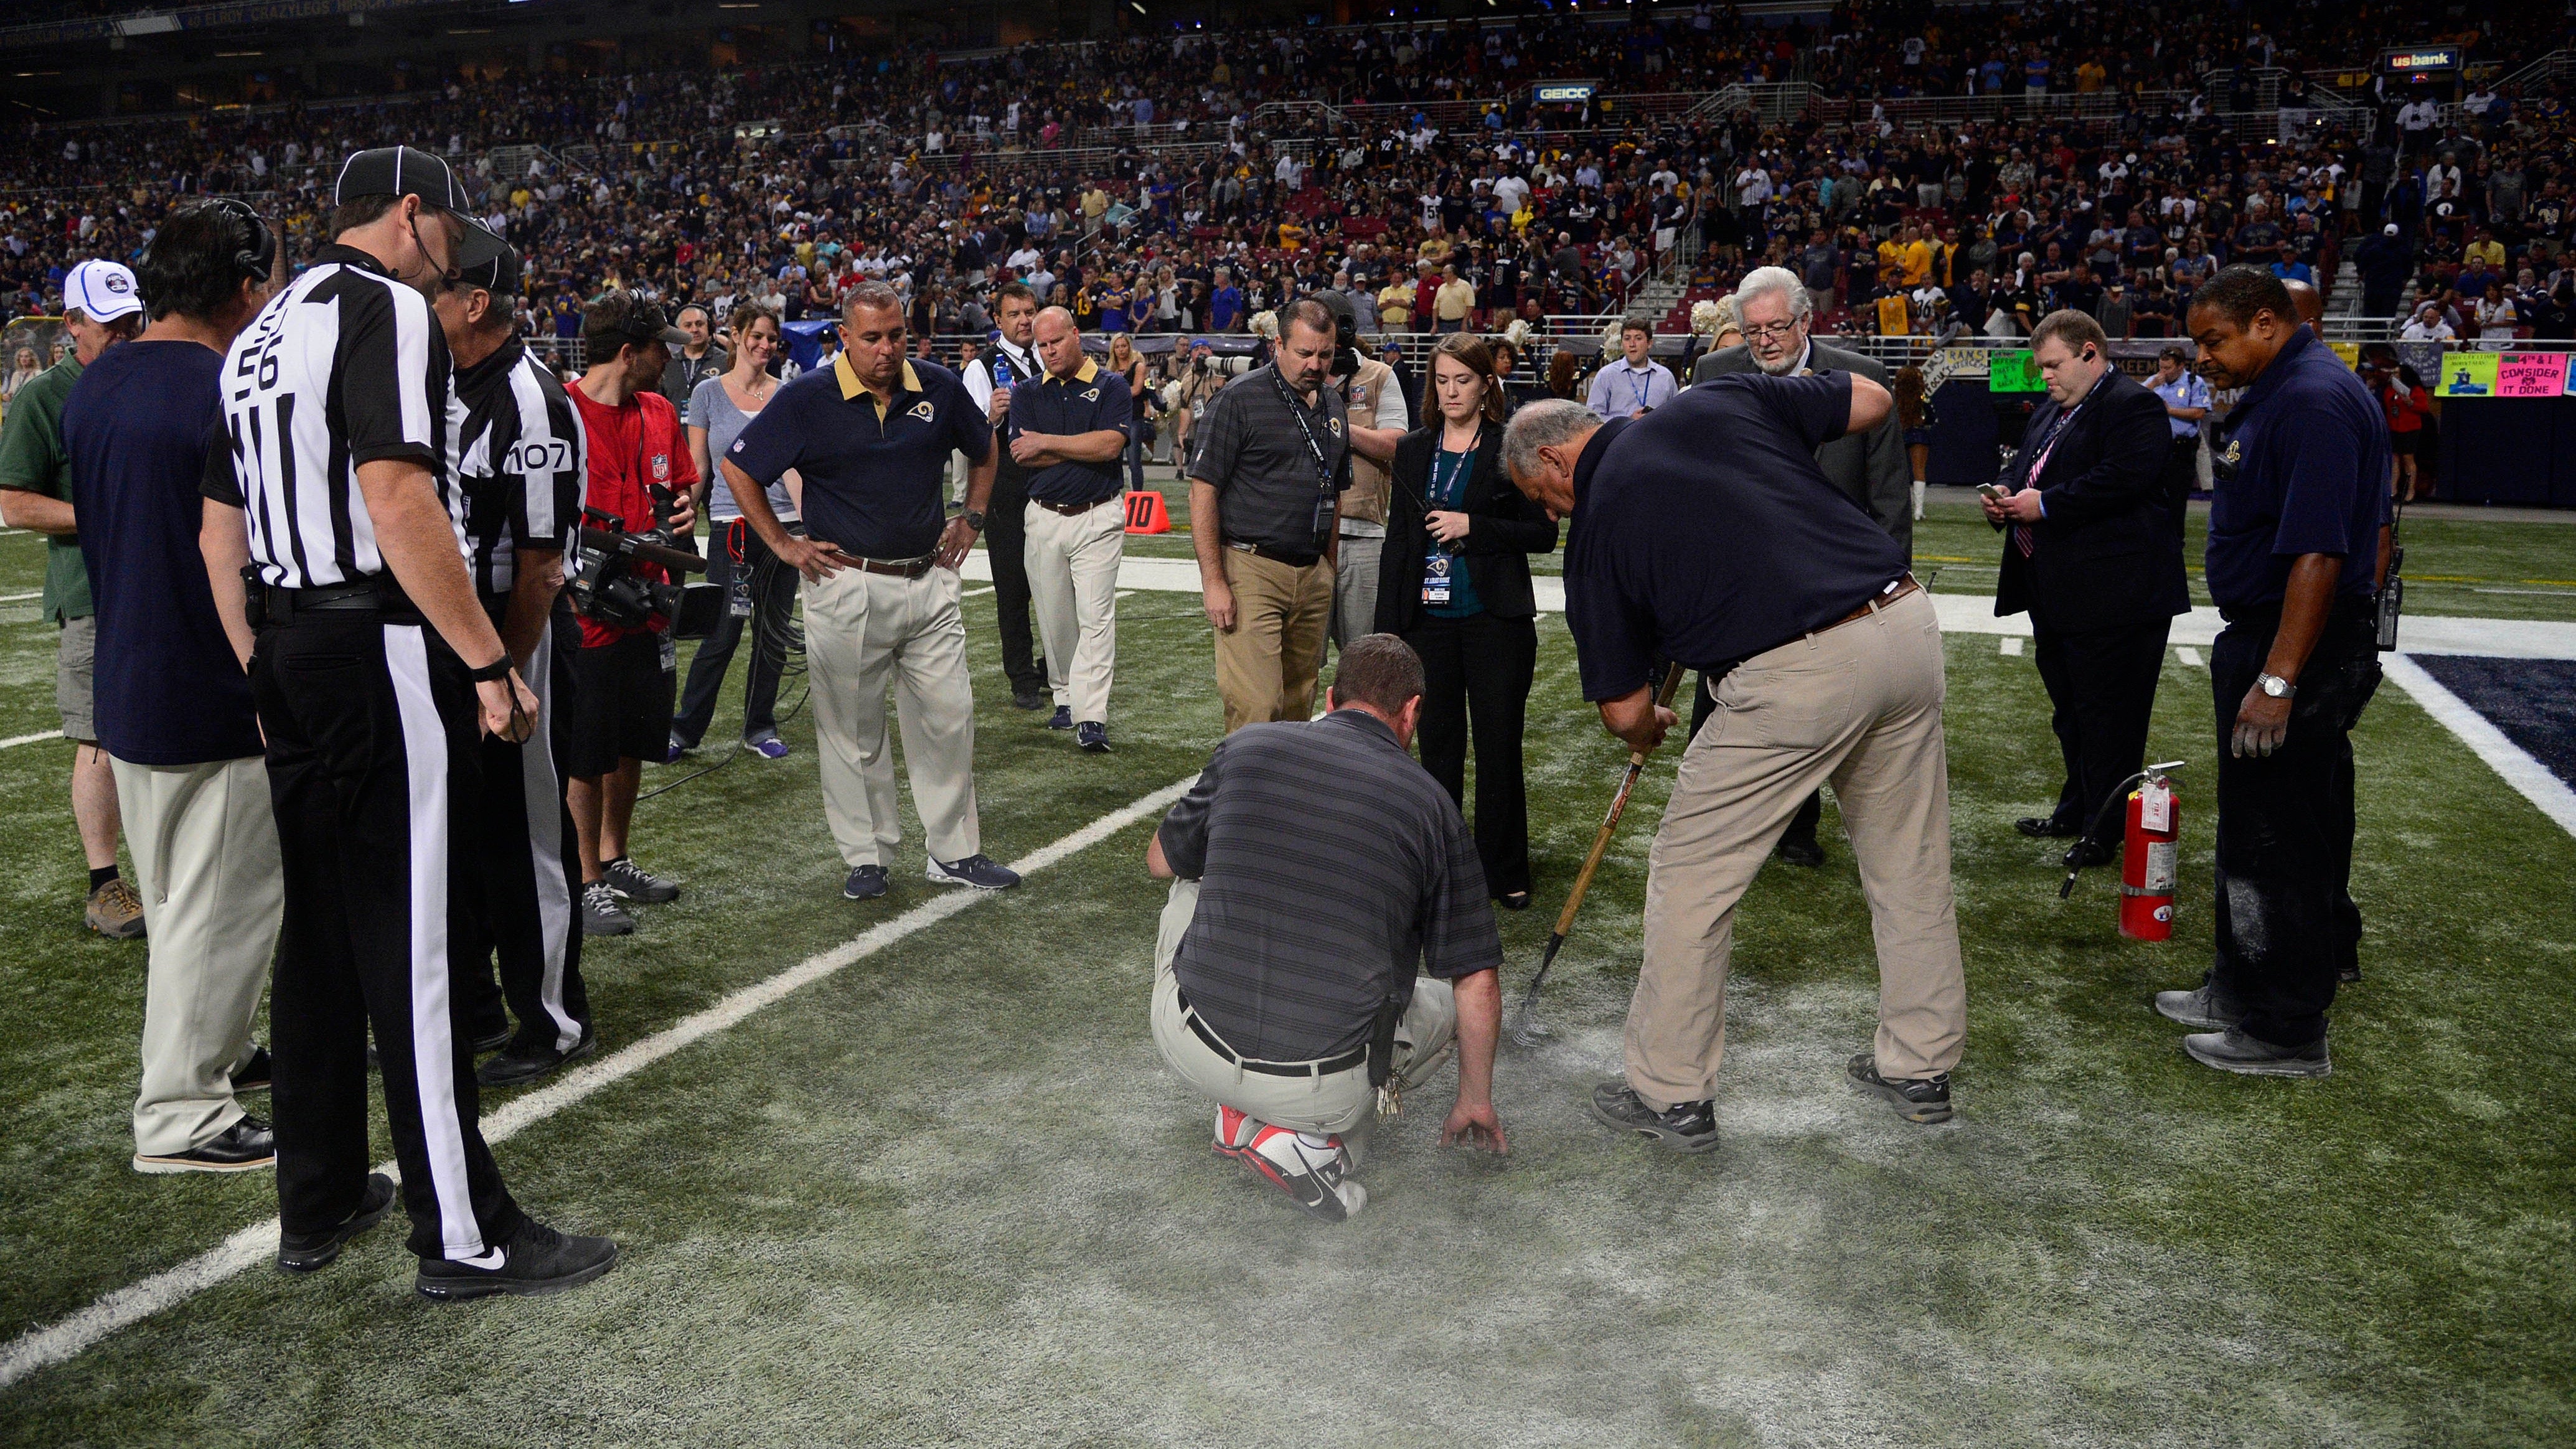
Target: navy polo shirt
875, 474
2299, 466
1093, 400
1704, 531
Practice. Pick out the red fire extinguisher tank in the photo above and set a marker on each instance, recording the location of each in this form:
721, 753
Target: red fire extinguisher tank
2149, 860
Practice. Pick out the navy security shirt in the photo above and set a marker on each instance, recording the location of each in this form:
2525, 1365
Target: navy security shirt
875, 474
2300, 466
1704, 532
137, 427
1093, 400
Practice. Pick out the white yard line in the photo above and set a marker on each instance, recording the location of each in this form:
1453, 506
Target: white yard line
2011, 646
2519, 769
2190, 656
257, 1244
21, 598
971, 593
13, 743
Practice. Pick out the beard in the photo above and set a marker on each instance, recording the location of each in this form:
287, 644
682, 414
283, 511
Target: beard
1787, 364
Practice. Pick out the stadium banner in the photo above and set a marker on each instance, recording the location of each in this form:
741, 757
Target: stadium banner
2469, 374
2013, 371
2531, 374
2424, 357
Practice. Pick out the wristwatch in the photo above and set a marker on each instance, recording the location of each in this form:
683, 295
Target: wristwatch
974, 519
2275, 686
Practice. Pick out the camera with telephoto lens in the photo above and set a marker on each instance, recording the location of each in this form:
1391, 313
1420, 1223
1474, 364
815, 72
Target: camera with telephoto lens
606, 587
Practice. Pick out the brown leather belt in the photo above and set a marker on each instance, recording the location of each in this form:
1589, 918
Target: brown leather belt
1074, 510
906, 568
1904, 586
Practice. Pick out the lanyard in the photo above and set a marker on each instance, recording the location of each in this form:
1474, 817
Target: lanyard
1639, 382
1441, 484
2049, 445
1323, 470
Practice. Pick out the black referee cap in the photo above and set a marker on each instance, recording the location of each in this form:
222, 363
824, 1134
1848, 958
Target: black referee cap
498, 275
404, 171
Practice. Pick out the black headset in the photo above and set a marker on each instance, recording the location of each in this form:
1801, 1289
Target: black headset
257, 259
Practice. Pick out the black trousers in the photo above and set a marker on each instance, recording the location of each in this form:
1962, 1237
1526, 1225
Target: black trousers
531, 877
1476, 672
1811, 811
773, 603
374, 772
2286, 921
2180, 476
1006, 541
2102, 689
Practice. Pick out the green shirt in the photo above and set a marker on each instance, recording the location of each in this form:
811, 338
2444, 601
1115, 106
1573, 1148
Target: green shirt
32, 459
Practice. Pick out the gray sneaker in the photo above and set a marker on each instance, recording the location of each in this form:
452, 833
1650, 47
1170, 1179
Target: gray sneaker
2233, 1051
600, 913
2201, 1008
633, 882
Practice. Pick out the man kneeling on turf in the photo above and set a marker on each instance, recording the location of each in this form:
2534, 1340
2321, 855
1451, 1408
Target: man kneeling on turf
1321, 873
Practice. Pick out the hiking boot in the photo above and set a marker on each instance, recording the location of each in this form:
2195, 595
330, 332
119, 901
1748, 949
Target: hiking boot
1916, 1099
2233, 1051
978, 871
633, 882
246, 1145
114, 910
537, 1259
1683, 1127
305, 1252
600, 913
2200, 1007
1311, 1168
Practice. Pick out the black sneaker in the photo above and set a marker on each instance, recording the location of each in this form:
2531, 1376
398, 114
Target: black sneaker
1800, 852
1684, 1127
2233, 1051
1916, 1099
1062, 719
512, 1068
633, 882
1028, 699
600, 913
242, 1147
978, 871
305, 1252
2202, 1008
1093, 737
866, 883
537, 1259
254, 1075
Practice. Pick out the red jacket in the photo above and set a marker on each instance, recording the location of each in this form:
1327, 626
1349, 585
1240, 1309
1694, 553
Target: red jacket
632, 448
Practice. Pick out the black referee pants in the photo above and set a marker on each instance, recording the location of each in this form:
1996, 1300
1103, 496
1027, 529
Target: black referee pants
374, 773
531, 875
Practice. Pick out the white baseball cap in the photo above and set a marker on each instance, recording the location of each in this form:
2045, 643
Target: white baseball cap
102, 290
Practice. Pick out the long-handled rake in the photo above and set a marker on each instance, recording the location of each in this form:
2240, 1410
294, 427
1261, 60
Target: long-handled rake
1526, 1028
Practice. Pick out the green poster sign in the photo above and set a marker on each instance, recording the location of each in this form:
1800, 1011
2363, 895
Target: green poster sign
2013, 372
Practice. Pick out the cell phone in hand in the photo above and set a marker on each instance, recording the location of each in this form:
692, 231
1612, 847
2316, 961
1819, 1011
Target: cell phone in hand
1993, 491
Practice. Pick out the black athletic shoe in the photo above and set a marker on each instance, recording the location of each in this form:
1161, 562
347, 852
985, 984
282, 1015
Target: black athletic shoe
866, 883
633, 882
2203, 1008
1684, 1127
1800, 852
1916, 1099
242, 1147
255, 1074
1028, 699
601, 915
2048, 827
978, 871
2086, 854
2233, 1051
536, 1260
305, 1252
1062, 719
1092, 736
511, 1069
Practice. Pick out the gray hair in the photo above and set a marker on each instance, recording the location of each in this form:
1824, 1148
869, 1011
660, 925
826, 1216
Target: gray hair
1762, 281
1547, 423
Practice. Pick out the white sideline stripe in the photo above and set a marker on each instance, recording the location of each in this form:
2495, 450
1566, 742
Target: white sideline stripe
971, 593
2190, 656
21, 598
15, 741
2011, 645
2519, 769
256, 1244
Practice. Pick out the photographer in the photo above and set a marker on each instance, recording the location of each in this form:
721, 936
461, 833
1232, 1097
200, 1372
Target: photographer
639, 474
519, 461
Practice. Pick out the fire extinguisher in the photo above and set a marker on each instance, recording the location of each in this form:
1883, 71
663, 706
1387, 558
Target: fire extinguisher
2150, 856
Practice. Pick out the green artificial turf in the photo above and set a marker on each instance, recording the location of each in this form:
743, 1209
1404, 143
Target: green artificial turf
951, 1196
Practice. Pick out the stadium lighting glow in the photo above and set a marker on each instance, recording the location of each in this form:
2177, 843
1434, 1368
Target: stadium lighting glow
1132, 5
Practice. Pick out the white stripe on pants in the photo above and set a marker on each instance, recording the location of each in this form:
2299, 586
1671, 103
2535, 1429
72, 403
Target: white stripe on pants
545, 837
865, 633
205, 846
1073, 582
433, 1044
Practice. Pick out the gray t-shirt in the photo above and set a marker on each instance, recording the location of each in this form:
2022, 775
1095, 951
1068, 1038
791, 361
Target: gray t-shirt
711, 408
1253, 450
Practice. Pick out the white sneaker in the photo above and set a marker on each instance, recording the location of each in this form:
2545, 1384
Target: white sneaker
1312, 1169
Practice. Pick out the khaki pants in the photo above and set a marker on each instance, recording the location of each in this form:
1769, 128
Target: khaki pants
1073, 582
1859, 706
205, 845
1265, 667
1355, 588
1340, 1102
865, 633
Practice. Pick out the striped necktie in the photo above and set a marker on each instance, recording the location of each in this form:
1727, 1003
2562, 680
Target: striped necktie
2022, 538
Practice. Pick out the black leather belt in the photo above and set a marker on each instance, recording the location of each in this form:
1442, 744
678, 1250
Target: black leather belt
1200, 1029
1276, 555
367, 596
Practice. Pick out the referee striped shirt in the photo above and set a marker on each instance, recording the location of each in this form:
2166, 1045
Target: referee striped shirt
520, 461
346, 366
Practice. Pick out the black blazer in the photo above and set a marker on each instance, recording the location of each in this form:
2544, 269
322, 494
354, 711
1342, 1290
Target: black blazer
1504, 528
2108, 554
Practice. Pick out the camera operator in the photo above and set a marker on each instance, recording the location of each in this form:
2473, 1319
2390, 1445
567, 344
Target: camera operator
374, 669
640, 475
519, 461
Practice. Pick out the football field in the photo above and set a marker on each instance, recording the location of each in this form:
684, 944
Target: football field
911, 1172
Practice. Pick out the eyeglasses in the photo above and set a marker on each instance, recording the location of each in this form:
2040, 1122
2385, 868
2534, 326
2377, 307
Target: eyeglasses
1772, 331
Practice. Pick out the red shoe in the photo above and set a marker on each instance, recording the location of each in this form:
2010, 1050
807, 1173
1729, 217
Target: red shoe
1312, 1169
1234, 1132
